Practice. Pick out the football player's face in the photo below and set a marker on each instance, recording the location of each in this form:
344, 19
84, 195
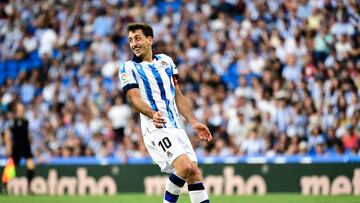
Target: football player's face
139, 43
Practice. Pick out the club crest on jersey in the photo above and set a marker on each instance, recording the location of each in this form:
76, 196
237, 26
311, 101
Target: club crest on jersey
163, 63
124, 78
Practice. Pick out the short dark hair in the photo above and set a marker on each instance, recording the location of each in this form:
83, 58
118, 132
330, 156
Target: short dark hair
147, 29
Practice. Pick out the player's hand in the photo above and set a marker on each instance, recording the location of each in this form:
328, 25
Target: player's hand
202, 131
158, 119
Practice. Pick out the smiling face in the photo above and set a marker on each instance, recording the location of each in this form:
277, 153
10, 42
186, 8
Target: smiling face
140, 44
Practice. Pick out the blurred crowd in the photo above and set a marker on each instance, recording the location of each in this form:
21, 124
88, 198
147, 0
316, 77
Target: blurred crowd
275, 77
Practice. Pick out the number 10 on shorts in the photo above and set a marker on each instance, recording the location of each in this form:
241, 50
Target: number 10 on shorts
165, 143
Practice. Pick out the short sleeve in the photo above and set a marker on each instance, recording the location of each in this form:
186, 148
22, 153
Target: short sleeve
169, 60
174, 68
127, 77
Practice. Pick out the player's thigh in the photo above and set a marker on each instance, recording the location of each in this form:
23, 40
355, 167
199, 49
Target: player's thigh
164, 147
164, 142
183, 163
186, 145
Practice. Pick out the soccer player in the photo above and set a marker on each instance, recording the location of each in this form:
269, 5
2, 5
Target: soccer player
17, 141
149, 81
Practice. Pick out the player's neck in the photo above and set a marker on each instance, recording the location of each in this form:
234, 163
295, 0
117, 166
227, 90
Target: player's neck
148, 57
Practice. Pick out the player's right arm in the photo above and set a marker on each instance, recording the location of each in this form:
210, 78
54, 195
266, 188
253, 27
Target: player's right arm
133, 96
131, 90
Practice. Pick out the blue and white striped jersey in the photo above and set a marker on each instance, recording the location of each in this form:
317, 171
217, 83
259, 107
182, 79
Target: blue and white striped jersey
155, 82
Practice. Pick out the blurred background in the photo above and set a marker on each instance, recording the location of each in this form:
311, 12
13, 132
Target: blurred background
270, 78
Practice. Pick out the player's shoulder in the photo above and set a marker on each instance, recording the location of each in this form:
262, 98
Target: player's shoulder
126, 65
164, 57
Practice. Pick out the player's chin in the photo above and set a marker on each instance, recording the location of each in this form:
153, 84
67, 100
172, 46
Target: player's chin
138, 54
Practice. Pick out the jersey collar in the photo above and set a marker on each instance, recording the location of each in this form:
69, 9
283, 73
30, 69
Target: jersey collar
139, 60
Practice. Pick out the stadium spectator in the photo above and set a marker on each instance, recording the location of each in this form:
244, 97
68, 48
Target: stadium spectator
119, 115
351, 139
253, 145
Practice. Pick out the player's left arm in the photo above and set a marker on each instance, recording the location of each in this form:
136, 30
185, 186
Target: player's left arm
183, 106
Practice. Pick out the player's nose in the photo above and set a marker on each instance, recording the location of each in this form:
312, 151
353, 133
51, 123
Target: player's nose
135, 45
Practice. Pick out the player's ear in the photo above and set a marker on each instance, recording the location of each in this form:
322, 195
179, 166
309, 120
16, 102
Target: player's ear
151, 40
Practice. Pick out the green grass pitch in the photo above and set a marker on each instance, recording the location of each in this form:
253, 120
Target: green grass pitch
140, 198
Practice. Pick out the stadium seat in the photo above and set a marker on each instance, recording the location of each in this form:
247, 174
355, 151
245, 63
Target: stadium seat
2, 73
231, 76
163, 6
25, 65
83, 45
35, 60
12, 67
